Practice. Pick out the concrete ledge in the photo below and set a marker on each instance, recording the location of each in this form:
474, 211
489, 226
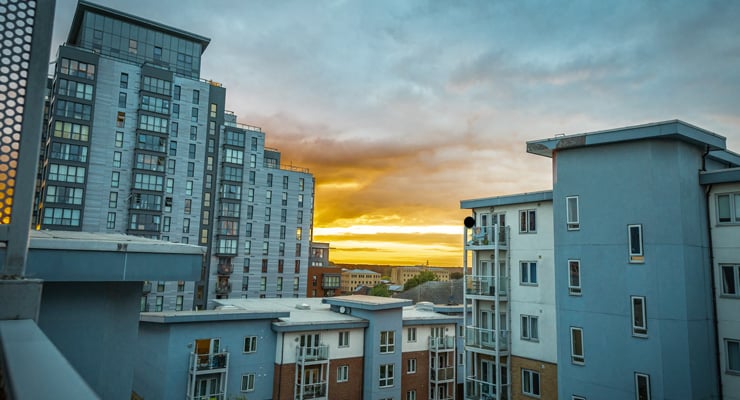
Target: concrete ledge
34, 368
20, 298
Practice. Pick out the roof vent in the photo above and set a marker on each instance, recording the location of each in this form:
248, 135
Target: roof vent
425, 306
303, 306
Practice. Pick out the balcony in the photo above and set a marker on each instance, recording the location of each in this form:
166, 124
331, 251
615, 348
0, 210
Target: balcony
442, 343
209, 362
486, 238
481, 285
223, 288
477, 389
225, 269
312, 354
487, 339
442, 374
317, 390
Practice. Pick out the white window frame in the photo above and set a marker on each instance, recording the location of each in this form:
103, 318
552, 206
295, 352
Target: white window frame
573, 222
411, 334
528, 266
735, 268
343, 373
411, 366
387, 342
646, 378
729, 367
530, 328
250, 344
637, 303
528, 380
411, 395
343, 339
386, 376
526, 219
575, 358
247, 383
636, 257
733, 201
574, 289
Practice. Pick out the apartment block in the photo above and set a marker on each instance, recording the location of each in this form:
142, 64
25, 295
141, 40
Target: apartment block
335, 348
400, 275
510, 336
138, 143
353, 278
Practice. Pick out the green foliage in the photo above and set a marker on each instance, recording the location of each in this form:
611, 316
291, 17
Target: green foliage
456, 275
380, 290
423, 276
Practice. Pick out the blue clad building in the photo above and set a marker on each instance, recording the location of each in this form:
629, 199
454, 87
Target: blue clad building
633, 274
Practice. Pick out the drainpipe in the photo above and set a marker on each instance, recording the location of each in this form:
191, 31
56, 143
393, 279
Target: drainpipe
707, 199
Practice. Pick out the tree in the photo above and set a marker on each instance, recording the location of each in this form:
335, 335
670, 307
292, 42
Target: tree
456, 275
380, 290
423, 276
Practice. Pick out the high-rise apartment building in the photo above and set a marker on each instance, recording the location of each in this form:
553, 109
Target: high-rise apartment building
510, 332
139, 143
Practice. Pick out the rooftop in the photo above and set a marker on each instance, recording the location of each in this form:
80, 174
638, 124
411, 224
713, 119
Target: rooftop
520, 198
673, 129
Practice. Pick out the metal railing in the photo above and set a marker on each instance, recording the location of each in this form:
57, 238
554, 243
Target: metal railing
487, 339
482, 285
316, 353
486, 236
442, 343
478, 389
442, 374
311, 390
209, 361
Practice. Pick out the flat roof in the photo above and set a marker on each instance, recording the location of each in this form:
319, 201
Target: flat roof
365, 302
173, 317
413, 315
520, 198
673, 129
361, 271
729, 175
65, 256
83, 6
299, 314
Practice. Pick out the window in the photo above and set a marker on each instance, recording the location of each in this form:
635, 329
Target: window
728, 208
386, 375
635, 239
279, 283
530, 382
122, 100
343, 373
194, 115
193, 132
178, 90
247, 383
411, 395
411, 366
344, 339
111, 223
175, 110
639, 316
574, 222
124, 80
133, 46
157, 53
178, 303
115, 177
263, 283
214, 110
530, 328
642, 386
387, 341
121, 120
250, 344
113, 200
119, 139
730, 280
574, 277
527, 221
576, 346
733, 355
411, 333
528, 272
159, 303
196, 97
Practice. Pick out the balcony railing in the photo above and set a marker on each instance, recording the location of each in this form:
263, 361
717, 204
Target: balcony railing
442, 374
215, 396
487, 339
310, 390
481, 285
486, 237
225, 269
442, 343
477, 389
209, 362
223, 288
309, 354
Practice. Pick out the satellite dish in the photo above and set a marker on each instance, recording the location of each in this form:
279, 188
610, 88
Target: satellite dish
469, 222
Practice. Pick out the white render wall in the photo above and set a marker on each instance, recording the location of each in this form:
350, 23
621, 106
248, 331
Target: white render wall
726, 249
286, 354
422, 336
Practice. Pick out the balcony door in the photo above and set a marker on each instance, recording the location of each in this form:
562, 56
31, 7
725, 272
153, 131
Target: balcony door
207, 388
310, 345
486, 326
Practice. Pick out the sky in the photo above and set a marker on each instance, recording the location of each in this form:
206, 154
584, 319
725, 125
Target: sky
400, 109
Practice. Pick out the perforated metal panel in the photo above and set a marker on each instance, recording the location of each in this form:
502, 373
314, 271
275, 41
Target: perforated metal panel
25, 39
16, 29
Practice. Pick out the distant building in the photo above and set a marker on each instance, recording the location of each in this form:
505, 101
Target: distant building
347, 347
450, 292
401, 275
353, 278
138, 143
